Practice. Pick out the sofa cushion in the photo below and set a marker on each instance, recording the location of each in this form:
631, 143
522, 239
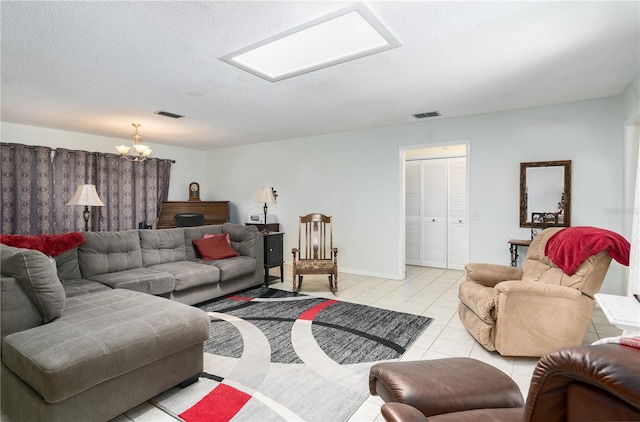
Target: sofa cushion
198, 232
113, 332
82, 287
161, 246
231, 268
67, 265
17, 312
37, 276
189, 274
214, 247
244, 239
143, 280
108, 252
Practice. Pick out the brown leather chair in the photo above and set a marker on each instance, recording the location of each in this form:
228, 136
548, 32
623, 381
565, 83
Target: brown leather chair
585, 383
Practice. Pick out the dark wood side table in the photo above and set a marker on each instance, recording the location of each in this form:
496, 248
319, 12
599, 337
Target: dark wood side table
273, 255
272, 227
515, 243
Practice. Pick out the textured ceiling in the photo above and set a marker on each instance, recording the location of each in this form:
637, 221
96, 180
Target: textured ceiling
96, 67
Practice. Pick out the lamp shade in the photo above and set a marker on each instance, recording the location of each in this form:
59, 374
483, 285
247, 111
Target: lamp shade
266, 195
86, 195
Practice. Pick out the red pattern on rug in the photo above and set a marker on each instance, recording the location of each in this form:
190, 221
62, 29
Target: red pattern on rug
48, 244
310, 314
220, 405
241, 298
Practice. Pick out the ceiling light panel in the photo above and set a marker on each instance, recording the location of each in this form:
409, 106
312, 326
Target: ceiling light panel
335, 38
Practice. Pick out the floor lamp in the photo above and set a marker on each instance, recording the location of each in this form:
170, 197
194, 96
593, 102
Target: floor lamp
88, 196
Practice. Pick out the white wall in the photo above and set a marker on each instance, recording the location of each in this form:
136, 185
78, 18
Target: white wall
189, 165
354, 176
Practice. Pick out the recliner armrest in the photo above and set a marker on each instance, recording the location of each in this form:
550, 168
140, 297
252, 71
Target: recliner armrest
611, 369
491, 274
400, 412
534, 288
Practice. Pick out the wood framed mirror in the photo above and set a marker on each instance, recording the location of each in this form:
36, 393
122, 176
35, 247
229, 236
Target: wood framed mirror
545, 194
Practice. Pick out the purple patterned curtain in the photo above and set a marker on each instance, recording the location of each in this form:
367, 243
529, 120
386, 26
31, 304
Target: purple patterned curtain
27, 184
132, 192
70, 170
36, 189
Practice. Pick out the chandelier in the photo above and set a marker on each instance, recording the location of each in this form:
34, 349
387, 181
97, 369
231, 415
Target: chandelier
139, 152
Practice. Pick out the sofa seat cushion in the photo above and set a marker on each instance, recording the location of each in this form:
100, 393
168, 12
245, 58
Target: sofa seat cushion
82, 287
189, 274
231, 268
99, 337
143, 280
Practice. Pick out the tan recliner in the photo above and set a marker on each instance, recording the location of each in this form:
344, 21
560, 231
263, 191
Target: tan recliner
532, 310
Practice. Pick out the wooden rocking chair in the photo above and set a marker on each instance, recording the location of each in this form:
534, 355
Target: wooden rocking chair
318, 255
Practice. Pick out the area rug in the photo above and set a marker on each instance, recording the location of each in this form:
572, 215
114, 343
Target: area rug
276, 356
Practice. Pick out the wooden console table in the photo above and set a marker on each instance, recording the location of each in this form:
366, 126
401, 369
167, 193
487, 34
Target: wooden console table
515, 243
215, 212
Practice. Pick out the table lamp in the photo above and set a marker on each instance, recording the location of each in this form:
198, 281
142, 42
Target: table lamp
266, 195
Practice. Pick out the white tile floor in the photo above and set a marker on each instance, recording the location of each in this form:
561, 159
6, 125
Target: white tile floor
425, 291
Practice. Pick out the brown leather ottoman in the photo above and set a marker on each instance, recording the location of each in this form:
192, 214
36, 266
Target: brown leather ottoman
436, 387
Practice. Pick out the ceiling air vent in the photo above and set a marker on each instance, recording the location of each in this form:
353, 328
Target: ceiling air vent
167, 114
425, 115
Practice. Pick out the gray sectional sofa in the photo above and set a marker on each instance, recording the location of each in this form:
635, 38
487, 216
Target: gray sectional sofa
163, 263
92, 334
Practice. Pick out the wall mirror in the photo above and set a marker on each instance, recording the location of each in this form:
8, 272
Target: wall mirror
545, 194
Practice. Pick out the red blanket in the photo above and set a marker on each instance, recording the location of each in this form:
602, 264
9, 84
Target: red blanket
570, 247
48, 244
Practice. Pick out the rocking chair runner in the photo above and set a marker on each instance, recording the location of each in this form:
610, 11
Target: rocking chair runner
318, 256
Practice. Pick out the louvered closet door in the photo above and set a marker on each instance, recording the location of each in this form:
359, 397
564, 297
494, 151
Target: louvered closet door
434, 209
457, 213
412, 213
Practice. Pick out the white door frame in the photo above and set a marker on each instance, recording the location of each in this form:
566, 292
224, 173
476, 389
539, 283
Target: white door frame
402, 155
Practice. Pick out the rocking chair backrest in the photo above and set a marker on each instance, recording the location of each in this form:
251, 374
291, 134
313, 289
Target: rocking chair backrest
315, 237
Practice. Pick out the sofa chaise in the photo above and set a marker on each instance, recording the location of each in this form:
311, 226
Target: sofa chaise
101, 328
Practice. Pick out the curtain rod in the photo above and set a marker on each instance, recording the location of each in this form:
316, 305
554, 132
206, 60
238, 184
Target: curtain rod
12, 144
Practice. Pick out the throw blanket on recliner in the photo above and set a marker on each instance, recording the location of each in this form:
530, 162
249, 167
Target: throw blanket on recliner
570, 247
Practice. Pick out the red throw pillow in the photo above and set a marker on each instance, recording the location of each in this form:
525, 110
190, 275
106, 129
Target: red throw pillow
206, 236
214, 247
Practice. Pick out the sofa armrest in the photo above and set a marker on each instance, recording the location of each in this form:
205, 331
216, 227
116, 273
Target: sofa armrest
446, 385
491, 274
18, 313
400, 412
